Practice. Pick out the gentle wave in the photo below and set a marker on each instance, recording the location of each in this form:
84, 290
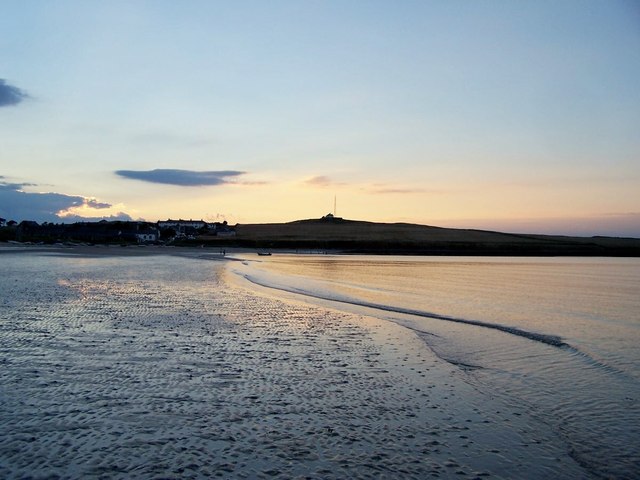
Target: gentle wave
552, 340
546, 339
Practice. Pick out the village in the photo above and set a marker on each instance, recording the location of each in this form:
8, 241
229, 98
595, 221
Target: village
113, 232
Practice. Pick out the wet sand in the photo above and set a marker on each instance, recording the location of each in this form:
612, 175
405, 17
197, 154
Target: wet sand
122, 367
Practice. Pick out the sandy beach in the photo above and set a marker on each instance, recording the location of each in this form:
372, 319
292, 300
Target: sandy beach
158, 367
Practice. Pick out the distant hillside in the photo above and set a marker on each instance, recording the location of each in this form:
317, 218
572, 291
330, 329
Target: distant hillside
403, 238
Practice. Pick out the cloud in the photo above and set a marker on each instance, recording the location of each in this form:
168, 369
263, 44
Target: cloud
321, 181
184, 178
13, 186
253, 182
93, 203
121, 216
393, 190
401, 191
18, 205
10, 95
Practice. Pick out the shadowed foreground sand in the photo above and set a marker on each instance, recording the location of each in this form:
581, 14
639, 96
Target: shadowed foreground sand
124, 368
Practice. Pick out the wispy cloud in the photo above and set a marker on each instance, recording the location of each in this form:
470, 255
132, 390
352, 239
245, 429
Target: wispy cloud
184, 178
14, 186
401, 191
17, 204
319, 181
322, 181
384, 189
10, 95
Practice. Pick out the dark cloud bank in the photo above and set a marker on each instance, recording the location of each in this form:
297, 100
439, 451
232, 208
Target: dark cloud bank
44, 207
184, 178
10, 95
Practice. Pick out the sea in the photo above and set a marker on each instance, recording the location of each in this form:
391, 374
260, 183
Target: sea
560, 336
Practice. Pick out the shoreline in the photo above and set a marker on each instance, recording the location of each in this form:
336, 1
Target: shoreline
217, 251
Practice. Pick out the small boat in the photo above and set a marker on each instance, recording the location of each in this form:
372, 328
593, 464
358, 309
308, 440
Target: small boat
264, 254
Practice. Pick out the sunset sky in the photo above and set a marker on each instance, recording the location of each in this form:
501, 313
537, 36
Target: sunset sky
504, 115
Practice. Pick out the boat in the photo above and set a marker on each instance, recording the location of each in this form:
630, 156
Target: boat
264, 254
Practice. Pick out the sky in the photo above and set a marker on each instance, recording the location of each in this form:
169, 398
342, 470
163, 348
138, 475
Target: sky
516, 116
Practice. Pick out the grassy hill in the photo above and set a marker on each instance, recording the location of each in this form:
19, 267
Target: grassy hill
402, 238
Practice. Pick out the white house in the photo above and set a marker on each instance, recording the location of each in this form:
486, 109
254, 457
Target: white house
147, 237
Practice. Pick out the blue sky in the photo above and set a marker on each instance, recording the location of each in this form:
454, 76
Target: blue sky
518, 116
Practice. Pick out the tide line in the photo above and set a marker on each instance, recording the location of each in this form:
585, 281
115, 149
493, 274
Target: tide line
552, 340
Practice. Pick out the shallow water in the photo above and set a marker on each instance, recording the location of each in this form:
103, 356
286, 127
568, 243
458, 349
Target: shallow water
558, 335
165, 367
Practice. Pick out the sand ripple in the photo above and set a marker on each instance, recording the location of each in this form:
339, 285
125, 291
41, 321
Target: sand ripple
154, 368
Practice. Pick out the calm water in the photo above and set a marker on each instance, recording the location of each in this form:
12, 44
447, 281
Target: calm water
558, 335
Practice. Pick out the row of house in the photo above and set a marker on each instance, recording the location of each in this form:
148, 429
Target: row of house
120, 231
194, 227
